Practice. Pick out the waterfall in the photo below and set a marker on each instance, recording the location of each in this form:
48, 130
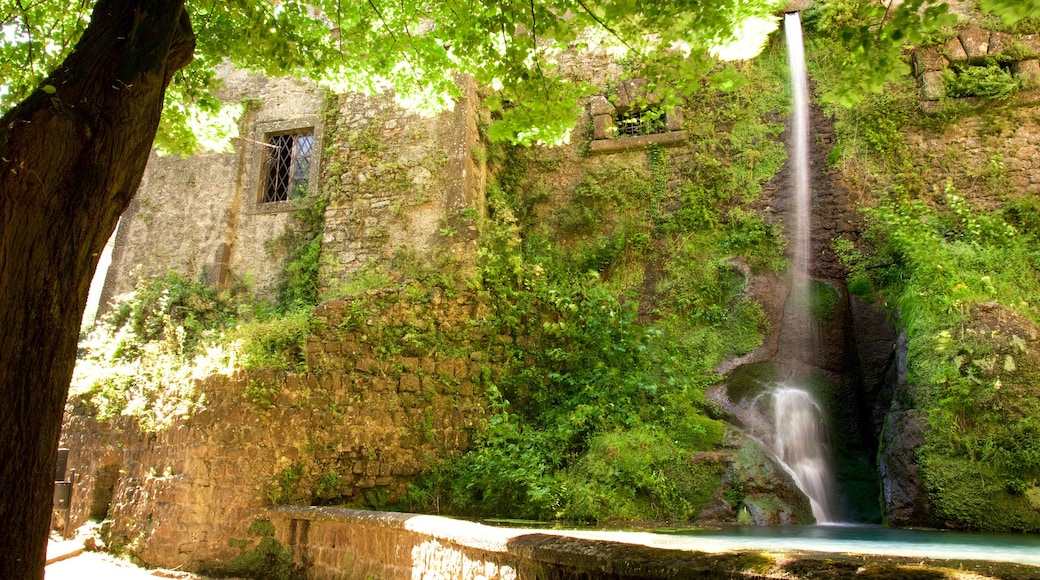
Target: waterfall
798, 438
801, 195
798, 442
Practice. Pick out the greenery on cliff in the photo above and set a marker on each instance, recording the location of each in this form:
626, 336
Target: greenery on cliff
620, 296
950, 246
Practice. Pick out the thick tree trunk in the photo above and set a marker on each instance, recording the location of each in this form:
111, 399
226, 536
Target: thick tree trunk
71, 156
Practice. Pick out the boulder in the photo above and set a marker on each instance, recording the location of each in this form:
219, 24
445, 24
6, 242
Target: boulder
905, 500
756, 489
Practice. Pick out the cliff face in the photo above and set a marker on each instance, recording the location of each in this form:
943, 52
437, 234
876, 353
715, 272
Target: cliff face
947, 217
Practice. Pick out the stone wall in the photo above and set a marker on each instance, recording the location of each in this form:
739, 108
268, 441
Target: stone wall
395, 179
400, 180
985, 157
199, 215
354, 430
341, 543
975, 45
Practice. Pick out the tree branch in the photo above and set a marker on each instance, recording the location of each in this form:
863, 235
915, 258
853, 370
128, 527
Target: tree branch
604, 25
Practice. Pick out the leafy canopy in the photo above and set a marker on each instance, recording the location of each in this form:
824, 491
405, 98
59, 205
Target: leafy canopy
418, 48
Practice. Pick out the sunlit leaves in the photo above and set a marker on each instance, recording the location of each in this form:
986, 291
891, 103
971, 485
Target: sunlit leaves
874, 48
419, 48
35, 36
1012, 10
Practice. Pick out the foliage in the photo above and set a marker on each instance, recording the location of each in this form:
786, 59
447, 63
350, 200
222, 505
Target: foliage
142, 359
171, 308
301, 241
285, 484
275, 342
328, 485
1012, 11
510, 47
872, 37
417, 50
268, 560
989, 80
964, 281
261, 394
598, 405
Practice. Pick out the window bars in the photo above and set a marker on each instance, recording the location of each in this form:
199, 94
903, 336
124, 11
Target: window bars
287, 165
641, 122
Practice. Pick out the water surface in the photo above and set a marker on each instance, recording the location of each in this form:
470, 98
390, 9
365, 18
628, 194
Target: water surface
857, 539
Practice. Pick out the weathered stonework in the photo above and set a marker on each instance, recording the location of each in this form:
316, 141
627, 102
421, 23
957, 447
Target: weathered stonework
356, 428
975, 42
332, 543
974, 45
954, 51
395, 180
1006, 155
398, 180
199, 215
1029, 71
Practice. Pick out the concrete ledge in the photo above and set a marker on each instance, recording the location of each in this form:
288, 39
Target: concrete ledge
58, 551
672, 139
346, 543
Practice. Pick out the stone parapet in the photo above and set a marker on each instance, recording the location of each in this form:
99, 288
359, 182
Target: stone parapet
341, 543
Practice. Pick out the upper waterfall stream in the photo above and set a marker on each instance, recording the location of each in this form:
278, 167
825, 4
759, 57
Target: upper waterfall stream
799, 441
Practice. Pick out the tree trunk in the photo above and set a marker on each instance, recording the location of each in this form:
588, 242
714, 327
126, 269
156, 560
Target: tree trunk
71, 157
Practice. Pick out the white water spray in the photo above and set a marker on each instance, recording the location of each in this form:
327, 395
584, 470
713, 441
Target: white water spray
798, 438
799, 443
801, 208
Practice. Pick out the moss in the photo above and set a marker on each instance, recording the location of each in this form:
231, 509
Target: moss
975, 496
268, 560
750, 381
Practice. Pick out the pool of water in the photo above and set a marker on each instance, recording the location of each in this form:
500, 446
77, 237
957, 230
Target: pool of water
857, 539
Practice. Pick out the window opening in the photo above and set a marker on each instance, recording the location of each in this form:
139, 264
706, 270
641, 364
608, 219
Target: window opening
641, 122
287, 165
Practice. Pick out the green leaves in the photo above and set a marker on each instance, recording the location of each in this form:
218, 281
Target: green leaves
1012, 11
873, 47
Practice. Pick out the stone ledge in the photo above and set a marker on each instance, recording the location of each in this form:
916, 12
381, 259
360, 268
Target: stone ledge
672, 139
348, 543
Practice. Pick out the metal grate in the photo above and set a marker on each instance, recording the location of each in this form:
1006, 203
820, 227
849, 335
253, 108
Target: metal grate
641, 122
287, 166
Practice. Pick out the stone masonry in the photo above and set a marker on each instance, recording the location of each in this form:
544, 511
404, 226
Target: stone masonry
353, 430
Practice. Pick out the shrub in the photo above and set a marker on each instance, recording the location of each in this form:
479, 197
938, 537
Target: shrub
988, 80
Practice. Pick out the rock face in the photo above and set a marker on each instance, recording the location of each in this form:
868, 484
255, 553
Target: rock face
756, 489
905, 499
850, 368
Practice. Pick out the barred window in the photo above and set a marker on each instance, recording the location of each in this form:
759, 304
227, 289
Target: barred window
641, 122
287, 165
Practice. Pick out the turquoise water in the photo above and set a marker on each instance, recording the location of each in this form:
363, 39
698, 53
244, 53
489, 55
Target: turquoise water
1020, 548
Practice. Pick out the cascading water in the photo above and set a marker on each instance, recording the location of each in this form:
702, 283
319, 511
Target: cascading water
798, 442
801, 208
798, 438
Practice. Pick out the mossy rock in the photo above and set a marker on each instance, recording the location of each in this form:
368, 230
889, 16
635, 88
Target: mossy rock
980, 461
749, 381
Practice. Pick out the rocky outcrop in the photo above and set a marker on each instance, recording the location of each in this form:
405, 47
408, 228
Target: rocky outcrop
905, 500
755, 489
